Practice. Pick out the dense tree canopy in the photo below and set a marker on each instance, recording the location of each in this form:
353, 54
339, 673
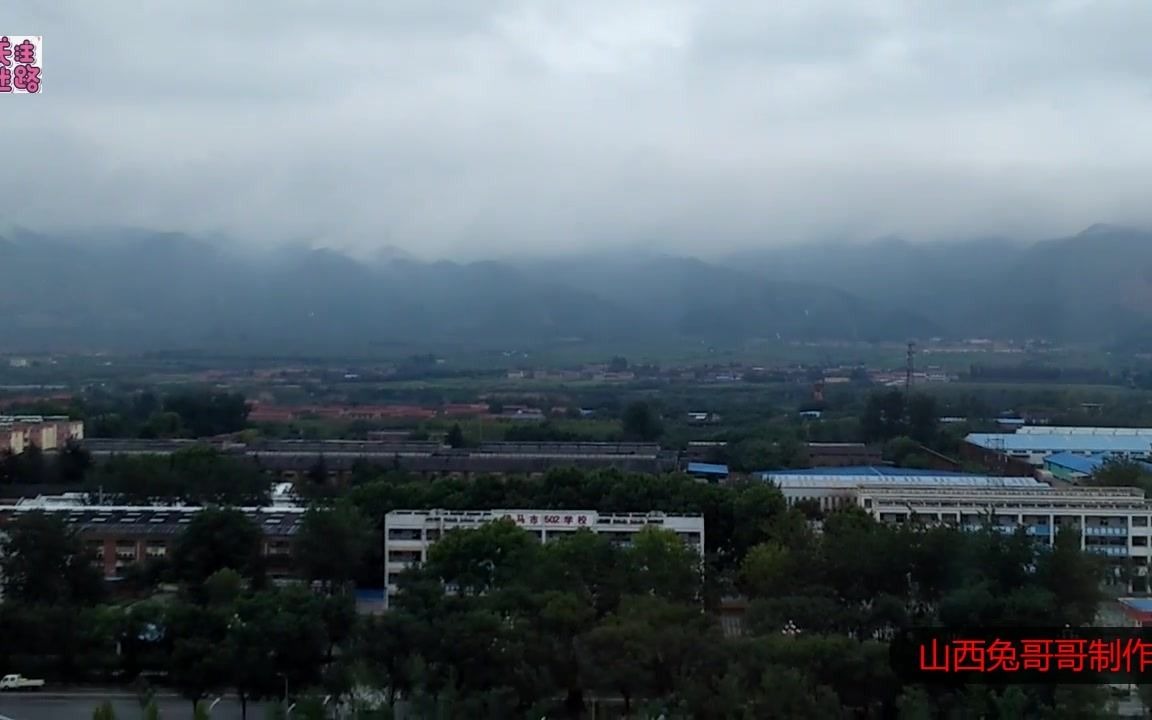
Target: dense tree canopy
495, 624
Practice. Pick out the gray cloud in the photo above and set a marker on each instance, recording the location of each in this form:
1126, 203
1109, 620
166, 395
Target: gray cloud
468, 128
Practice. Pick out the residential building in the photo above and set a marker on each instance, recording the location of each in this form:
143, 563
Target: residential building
409, 533
51, 432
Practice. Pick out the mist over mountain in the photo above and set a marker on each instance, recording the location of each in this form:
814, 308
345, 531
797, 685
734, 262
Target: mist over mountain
138, 291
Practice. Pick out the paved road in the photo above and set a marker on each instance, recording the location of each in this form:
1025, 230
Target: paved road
79, 706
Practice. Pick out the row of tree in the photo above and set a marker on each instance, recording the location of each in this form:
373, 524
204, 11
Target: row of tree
496, 625
530, 630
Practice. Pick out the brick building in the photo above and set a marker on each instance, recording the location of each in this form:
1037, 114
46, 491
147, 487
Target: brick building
120, 536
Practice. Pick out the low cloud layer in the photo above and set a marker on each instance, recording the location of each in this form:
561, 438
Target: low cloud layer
465, 129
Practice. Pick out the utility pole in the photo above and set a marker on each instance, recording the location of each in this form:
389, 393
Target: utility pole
908, 367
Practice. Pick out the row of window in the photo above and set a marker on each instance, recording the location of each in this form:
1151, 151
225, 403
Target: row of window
129, 550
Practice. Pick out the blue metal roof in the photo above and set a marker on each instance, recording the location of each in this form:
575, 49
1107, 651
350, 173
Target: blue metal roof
1044, 443
866, 470
1138, 604
707, 468
1086, 464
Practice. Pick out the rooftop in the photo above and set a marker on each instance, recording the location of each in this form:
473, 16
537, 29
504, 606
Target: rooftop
1085, 464
919, 481
1056, 430
707, 468
864, 471
1062, 442
151, 521
1143, 605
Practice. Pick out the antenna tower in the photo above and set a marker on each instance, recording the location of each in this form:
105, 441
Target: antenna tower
908, 368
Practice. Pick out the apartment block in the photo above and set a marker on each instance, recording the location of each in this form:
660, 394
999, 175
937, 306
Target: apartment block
408, 534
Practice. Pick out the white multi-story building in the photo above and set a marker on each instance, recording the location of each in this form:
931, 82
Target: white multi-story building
1114, 522
834, 490
409, 533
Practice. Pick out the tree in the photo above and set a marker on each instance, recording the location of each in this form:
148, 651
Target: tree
923, 418
642, 422
1122, 472
1072, 577
206, 413
33, 470
455, 437
276, 637
332, 543
42, 561
166, 424
318, 473
201, 658
768, 569
72, 462
665, 566
216, 539
104, 711
207, 476
883, 417
489, 556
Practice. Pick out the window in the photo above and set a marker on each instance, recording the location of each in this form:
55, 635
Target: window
403, 534
1140, 521
279, 547
433, 534
404, 556
1140, 542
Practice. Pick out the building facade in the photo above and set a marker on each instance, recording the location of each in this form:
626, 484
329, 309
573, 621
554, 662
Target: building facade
1113, 522
408, 534
823, 454
51, 432
832, 492
1032, 444
120, 536
293, 459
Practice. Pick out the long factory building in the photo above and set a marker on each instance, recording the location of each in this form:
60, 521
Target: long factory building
293, 459
1031, 445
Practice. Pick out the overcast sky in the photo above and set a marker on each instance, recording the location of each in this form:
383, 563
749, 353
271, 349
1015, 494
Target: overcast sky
465, 128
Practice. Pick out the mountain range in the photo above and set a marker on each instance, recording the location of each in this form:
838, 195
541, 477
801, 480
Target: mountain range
130, 291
